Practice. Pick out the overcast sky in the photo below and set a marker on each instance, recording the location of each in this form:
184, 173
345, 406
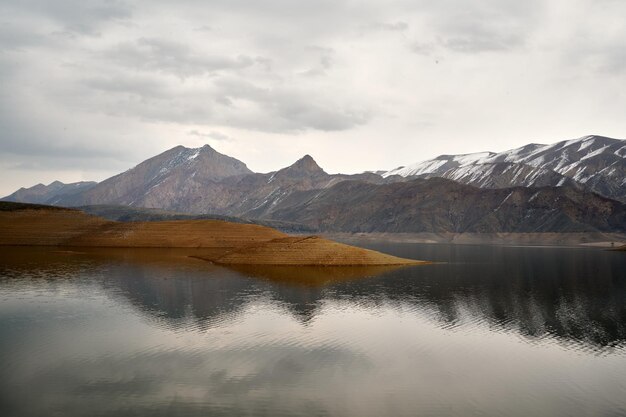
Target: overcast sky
89, 88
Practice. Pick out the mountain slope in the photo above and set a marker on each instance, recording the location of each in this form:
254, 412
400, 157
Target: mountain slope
594, 162
205, 181
438, 205
161, 181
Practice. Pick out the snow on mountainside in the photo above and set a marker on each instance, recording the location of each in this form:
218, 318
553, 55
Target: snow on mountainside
439, 165
594, 162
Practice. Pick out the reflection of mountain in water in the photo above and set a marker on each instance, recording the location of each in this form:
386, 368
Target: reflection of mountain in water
204, 297
576, 295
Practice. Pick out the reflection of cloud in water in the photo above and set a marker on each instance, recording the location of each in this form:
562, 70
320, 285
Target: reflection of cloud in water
164, 382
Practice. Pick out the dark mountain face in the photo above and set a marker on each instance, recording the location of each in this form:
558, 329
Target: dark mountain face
596, 163
262, 192
438, 205
49, 194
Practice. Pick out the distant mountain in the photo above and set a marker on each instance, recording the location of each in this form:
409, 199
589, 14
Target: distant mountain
437, 205
205, 181
596, 163
259, 194
49, 194
162, 181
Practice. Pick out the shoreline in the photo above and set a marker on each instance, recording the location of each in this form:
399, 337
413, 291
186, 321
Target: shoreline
574, 239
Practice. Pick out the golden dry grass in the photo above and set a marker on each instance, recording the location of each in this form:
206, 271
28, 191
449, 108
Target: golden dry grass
225, 242
176, 234
74, 228
45, 227
310, 250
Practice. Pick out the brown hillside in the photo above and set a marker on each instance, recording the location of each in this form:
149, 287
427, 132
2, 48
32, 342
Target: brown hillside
42, 227
176, 234
58, 227
311, 250
225, 242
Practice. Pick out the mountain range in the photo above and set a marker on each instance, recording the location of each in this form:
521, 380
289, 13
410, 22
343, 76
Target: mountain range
48, 194
577, 185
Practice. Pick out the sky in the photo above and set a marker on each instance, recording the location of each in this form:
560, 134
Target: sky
90, 88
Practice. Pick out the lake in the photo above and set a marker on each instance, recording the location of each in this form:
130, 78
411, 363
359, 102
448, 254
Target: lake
487, 331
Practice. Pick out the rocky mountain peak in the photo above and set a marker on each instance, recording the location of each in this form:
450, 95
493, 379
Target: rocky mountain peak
204, 149
306, 164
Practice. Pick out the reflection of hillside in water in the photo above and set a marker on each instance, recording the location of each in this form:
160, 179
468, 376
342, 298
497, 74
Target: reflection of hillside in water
578, 296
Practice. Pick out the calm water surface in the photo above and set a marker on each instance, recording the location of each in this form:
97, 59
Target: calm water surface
495, 331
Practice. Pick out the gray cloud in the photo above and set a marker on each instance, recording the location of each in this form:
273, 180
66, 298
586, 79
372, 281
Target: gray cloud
398, 26
79, 16
482, 41
173, 57
227, 100
14, 37
289, 110
480, 26
211, 135
145, 87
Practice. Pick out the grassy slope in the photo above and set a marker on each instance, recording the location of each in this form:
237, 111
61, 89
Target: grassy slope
311, 250
230, 243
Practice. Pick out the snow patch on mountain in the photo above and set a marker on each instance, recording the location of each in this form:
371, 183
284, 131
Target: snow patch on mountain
443, 162
594, 160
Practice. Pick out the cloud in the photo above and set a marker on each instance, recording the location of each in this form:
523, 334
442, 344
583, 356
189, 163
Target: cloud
145, 87
15, 37
285, 110
173, 57
476, 27
211, 135
481, 41
227, 100
397, 26
83, 17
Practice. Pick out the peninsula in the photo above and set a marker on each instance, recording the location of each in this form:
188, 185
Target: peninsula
223, 242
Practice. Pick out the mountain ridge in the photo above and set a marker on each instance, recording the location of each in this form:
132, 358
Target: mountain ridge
594, 162
203, 181
438, 204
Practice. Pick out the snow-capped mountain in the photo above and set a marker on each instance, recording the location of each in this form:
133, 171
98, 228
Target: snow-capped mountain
594, 162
